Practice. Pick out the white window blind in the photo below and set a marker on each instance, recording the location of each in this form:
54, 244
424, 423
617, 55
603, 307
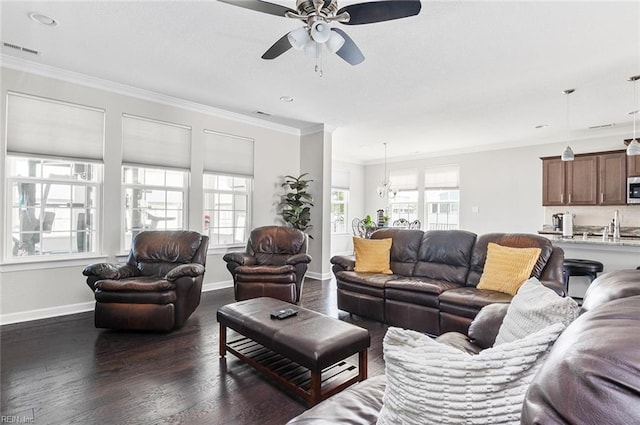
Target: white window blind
404, 179
228, 154
340, 179
151, 142
442, 177
42, 126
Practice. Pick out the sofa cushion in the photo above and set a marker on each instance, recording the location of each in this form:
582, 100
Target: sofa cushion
445, 255
404, 250
375, 280
470, 298
533, 308
430, 382
372, 255
415, 290
514, 240
507, 268
136, 284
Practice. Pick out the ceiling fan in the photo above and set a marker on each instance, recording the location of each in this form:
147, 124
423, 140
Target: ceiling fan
318, 14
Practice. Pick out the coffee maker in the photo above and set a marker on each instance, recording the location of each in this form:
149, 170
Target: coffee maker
557, 222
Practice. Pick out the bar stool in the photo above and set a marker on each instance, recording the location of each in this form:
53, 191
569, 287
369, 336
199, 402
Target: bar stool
578, 267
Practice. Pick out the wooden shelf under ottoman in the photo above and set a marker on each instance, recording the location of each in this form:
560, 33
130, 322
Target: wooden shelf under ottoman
304, 353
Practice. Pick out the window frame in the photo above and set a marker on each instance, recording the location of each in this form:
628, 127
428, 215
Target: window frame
125, 243
344, 202
207, 212
95, 234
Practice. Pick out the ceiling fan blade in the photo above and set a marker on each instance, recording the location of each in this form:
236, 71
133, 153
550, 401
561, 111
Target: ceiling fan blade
278, 48
260, 6
349, 51
379, 11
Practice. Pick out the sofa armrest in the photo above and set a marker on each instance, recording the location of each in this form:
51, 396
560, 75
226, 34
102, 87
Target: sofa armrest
556, 286
485, 326
347, 263
299, 258
240, 258
189, 270
109, 271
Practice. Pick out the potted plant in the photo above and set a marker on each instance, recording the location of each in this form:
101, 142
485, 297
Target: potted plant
297, 202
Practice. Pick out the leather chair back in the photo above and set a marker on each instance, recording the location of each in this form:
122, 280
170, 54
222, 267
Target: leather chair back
513, 240
272, 245
154, 253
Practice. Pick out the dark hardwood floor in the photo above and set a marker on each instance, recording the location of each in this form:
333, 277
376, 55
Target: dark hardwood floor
65, 371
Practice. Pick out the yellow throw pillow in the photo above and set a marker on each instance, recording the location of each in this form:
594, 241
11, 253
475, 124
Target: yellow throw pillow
506, 268
372, 255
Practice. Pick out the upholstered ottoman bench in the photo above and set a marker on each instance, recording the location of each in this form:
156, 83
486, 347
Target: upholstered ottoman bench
304, 353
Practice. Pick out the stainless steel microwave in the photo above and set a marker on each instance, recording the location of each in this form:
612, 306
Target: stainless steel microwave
633, 190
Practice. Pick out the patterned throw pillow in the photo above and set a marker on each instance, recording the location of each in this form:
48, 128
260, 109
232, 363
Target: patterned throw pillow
372, 255
506, 268
433, 383
533, 308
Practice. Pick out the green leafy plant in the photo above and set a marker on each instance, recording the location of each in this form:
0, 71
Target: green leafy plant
297, 202
367, 222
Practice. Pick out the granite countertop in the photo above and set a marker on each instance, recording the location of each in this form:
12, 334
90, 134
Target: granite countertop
629, 236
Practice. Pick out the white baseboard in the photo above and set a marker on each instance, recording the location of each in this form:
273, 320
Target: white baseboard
64, 310
46, 313
318, 276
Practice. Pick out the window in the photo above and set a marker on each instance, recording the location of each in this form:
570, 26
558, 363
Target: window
53, 177
339, 202
154, 199
227, 201
54, 206
228, 188
404, 205
442, 198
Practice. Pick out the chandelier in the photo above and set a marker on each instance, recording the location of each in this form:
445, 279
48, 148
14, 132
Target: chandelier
385, 189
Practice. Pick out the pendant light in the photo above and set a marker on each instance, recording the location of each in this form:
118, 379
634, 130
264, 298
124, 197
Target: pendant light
634, 147
568, 155
385, 189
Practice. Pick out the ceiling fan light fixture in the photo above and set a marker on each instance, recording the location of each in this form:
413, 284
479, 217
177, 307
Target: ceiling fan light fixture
335, 42
320, 31
312, 49
298, 38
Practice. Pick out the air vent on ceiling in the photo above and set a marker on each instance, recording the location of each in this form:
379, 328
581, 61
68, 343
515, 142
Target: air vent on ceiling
20, 48
595, 127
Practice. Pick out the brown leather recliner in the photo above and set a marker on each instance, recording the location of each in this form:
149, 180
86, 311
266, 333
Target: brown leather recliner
273, 264
159, 286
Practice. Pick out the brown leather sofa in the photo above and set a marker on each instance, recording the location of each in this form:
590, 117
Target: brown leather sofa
273, 264
159, 286
435, 274
592, 374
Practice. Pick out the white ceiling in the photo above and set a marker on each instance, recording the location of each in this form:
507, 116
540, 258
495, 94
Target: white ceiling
461, 75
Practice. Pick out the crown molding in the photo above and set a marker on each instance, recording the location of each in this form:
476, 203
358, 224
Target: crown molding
18, 64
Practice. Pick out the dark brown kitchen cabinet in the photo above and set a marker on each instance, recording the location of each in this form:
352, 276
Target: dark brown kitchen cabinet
633, 166
582, 181
612, 178
553, 182
590, 179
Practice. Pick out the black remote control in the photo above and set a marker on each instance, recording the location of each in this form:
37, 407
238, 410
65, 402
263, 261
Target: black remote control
283, 314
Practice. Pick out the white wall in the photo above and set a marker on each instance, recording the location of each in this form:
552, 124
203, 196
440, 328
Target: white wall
56, 287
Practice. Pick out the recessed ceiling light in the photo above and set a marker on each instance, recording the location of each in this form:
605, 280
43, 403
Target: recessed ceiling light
287, 99
542, 125
43, 19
